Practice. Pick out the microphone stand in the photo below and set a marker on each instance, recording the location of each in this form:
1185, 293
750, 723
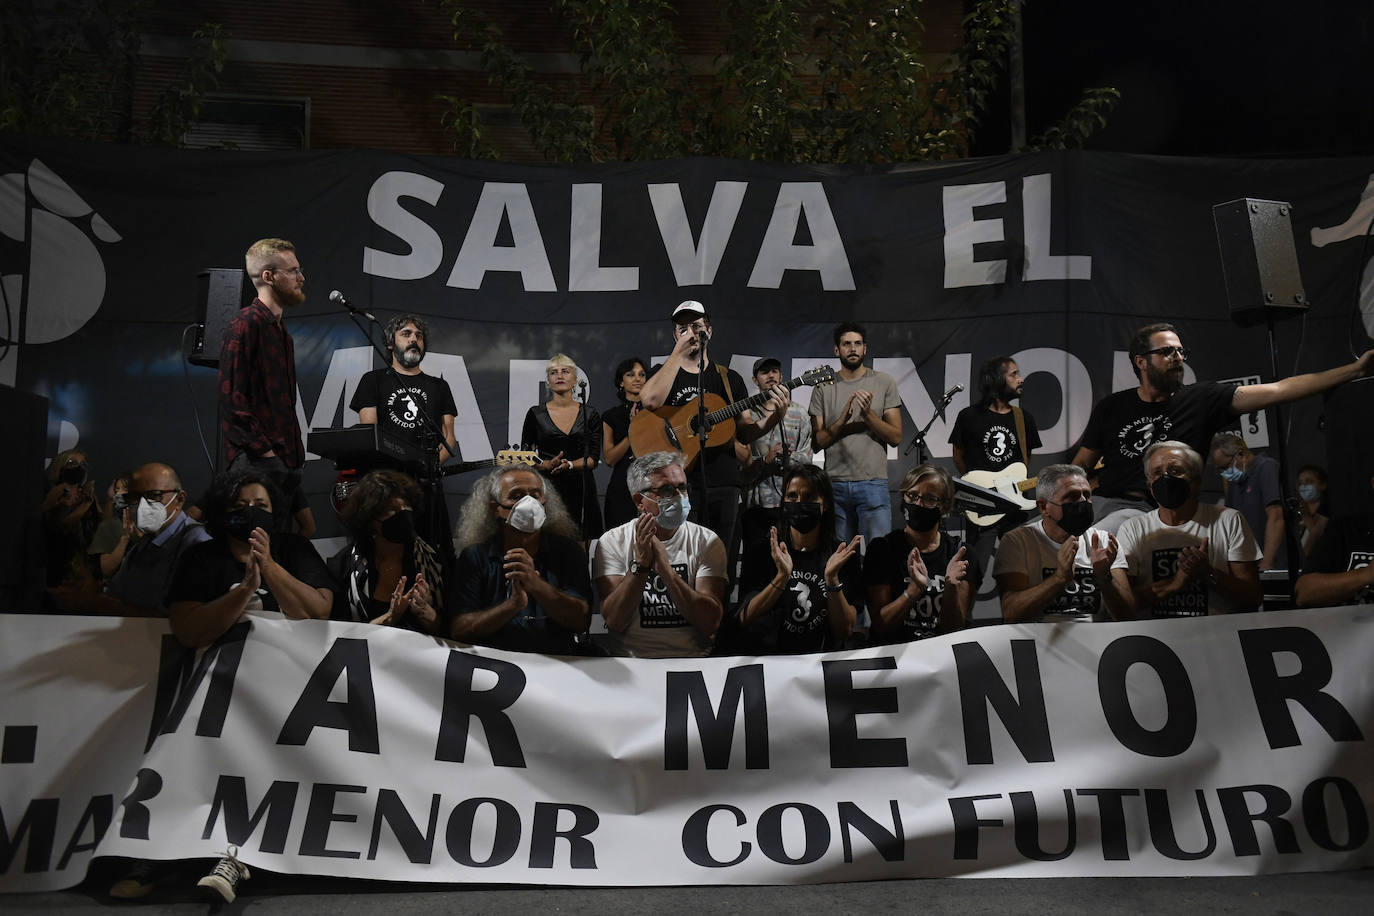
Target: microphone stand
703, 429
431, 436
586, 458
918, 441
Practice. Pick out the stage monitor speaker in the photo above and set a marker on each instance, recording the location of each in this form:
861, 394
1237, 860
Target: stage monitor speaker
21, 527
1259, 260
223, 293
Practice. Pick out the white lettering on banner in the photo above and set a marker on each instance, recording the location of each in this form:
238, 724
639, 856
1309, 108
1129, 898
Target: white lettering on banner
780, 253
695, 262
503, 202
1075, 392
384, 206
329, 748
585, 273
963, 230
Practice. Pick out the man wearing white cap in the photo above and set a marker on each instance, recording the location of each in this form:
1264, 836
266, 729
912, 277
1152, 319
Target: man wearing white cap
676, 382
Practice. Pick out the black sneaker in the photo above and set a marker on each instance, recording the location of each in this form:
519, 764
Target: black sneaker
224, 879
139, 881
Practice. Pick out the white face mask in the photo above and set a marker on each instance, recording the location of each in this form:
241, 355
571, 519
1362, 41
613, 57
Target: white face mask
527, 515
150, 516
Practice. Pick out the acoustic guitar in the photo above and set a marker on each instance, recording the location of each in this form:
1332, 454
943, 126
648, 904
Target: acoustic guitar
674, 429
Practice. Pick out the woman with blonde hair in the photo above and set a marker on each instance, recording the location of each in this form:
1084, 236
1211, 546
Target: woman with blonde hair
566, 433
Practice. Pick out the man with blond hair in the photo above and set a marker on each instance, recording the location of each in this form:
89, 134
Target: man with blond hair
257, 371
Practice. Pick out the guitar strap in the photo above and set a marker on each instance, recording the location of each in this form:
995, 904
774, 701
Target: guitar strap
725, 377
1021, 434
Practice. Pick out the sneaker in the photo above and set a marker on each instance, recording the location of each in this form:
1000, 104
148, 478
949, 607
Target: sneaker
139, 882
225, 878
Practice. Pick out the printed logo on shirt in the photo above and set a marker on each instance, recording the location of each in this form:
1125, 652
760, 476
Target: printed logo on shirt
924, 615
1359, 559
808, 612
1191, 602
403, 407
656, 608
1000, 445
1141, 433
1081, 596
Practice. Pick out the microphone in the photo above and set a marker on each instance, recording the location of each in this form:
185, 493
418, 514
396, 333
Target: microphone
703, 336
944, 401
339, 298
582, 388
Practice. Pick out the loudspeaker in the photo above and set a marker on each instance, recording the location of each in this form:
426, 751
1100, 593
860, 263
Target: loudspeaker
223, 293
1259, 260
21, 525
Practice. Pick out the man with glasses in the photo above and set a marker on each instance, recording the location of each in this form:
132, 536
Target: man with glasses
1051, 570
257, 372
1124, 424
155, 507
661, 578
1186, 558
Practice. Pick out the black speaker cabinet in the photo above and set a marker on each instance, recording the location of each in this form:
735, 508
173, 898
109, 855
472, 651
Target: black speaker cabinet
223, 292
21, 528
1259, 260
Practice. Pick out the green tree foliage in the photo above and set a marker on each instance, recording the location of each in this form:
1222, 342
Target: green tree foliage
67, 70
845, 82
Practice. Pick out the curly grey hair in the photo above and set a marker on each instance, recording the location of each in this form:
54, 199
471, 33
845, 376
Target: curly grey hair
478, 523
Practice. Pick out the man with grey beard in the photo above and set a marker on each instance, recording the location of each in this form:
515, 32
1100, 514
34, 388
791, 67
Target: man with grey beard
400, 401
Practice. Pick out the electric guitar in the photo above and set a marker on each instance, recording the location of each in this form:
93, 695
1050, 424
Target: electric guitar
506, 457
674, 429
1011, 482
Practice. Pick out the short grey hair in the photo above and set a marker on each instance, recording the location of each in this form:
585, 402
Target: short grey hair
1052, 475
1191, 459
644, 467
1229, 444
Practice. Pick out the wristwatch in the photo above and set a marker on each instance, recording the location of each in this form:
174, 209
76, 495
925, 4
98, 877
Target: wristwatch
636, 569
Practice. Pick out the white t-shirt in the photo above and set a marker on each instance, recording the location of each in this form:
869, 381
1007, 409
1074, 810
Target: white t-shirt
1028, 550
659, 630
1149, 553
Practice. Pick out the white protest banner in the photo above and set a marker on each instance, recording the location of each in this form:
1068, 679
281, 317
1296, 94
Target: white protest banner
1215, 746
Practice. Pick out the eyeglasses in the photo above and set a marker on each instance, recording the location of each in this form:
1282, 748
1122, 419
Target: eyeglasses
1170, 352
150, 495
930, 502
288, 270
668, 491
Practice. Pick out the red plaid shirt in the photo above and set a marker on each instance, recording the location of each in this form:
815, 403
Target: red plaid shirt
257, 388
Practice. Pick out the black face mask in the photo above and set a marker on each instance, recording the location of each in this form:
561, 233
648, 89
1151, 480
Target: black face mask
805, 517
241, 522
400, 528
73, 474
919, 518
1076, 518
1171, 492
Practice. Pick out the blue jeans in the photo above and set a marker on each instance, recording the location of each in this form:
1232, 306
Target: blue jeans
862, 507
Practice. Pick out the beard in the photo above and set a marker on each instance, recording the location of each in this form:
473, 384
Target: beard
1165, 380
290, 298
852, 361
1009, 393
410, 357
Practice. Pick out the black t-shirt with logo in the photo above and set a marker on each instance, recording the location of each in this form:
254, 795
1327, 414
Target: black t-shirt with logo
885, 564
989, 439
722, 467
1347, 544
1122, 427
399, 405
799, 621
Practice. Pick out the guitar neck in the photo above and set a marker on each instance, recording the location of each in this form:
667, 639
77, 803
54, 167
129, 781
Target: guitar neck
739, 407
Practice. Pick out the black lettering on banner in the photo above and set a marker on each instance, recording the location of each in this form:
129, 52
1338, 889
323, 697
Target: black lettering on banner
1180, 724
137, 818
231, 796
99, 813
696, 844
418, 847
320, 814
1240, 820
844, 703
967, 824
687, 689
544, 833
1161, 821
815, 833
176, 664
1314, 813
891, 845
1026, 817
357, 715
462, 703
223, 656
1111, 821
1272, 691
981, 685
39, 825
458, 836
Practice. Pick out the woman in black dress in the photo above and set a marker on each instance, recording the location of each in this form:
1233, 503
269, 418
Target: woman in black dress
630, 376
564, 432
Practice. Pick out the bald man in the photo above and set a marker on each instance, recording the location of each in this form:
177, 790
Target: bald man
156, 505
